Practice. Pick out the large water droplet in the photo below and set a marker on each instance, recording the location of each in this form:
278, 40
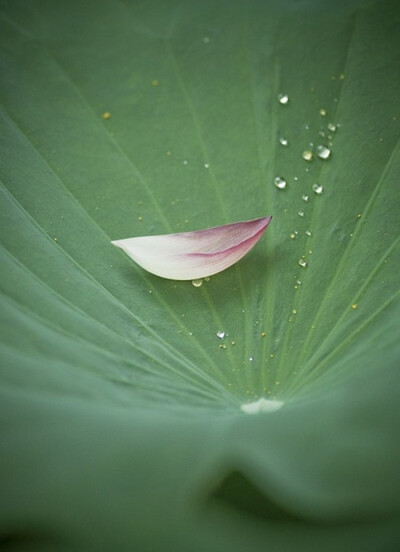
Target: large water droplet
307, 155
283, 99
280, 183
317, 188
198, 282
303, 263
283, 141
221, 334
323, 152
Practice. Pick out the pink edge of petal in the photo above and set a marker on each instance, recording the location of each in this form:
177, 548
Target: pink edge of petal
254, 238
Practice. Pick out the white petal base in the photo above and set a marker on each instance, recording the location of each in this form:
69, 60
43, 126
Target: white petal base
262, 405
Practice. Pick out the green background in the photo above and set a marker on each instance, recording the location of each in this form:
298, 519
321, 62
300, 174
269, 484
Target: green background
121, 426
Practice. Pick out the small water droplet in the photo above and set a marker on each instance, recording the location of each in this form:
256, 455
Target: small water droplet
283, 141
185, 162
354, 306
300, 213
280, 183
283, 99
294, 311
292, 236
317, 188
307, 127
331, 127
207, 278
322, 112
302, 263
222, 346
295, 178
197, 283
233, 343
308, 232
307, 155
221, 334
206, 165
305, 197
323, 152
206, 40
263, 334
251, 359
298, 282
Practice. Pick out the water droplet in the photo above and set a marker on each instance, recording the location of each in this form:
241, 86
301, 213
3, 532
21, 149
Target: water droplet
294, 311
308, 232
354, 306
317, 188
106, 115
302, 263
323, 152
331, 127
322, 112
155, 82
233, 343
197, 283
307, 155
206, 165
298, 282
221, 334
283, 99
307, 127
263, 334
207, 278
251, 359
283, 141
280, 183
292, 236
206, 40
300, 213
305, 197
222, 346
185, 162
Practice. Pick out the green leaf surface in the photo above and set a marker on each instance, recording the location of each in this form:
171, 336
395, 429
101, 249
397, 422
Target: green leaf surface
120, 406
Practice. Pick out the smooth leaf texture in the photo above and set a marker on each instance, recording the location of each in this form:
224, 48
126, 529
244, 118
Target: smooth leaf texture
121, 419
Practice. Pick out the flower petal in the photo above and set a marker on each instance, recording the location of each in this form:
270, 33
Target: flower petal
192, 255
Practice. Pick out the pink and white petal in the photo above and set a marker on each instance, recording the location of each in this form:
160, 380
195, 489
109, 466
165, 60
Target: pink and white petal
192, 255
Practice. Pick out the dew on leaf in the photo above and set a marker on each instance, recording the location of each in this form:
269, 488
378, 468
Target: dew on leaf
302, 263
280, 183
307, 155
317, 188
283, 99
221, 334
331, 127
308, 232
305, 197
197, 283
283, 141
322, 112
323, 152
300, 213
